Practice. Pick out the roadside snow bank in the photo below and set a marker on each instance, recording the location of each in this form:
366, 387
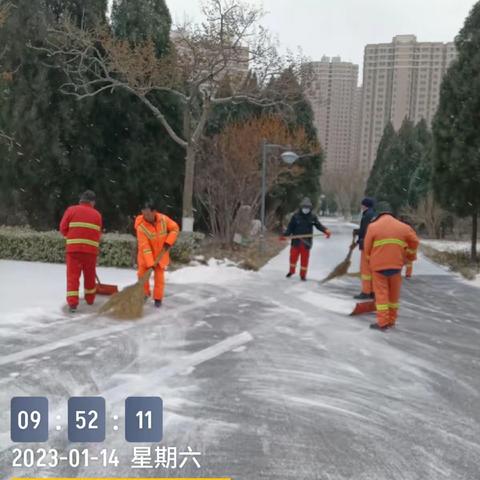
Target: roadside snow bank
216, 272
447, 245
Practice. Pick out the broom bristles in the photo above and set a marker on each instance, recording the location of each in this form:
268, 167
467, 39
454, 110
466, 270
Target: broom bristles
342, 268
127, 304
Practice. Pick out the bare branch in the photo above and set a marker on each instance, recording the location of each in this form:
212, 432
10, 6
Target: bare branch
226, 47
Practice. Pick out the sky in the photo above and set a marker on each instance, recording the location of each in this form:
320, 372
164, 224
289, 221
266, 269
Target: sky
344, 27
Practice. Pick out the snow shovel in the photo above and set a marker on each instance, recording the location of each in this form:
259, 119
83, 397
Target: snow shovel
342, 268
105, 289
364, 307
128, 304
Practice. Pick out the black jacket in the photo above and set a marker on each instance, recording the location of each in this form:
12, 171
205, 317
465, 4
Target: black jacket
301, 224
367, 217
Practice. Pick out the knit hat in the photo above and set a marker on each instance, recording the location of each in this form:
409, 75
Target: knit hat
307, 203
87, 197
368, 202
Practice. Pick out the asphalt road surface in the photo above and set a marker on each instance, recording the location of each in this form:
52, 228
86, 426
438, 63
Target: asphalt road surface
267, 378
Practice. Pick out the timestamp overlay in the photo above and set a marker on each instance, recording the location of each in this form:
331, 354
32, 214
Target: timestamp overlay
83, 448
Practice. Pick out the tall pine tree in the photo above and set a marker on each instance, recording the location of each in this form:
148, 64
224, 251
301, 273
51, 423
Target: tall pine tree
421, 178
456, 177
140, 20
378, 171
54, 158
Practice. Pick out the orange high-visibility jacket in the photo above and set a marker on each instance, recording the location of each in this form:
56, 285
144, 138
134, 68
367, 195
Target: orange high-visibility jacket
389, 243
81, 226
152, 238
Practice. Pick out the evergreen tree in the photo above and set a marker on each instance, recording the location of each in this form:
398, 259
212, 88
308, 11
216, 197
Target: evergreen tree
142, 161
456, 177
375, 179
85, 12
401, 171
139, 20
421, 178
51, 128
108, 143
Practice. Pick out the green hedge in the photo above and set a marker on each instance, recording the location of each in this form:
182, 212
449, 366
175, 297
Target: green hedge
116, 250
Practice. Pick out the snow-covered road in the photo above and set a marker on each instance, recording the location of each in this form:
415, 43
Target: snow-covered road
267, 377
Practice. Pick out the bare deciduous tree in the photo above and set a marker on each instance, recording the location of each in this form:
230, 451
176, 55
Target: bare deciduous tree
227, 43
228, 176
346, 187
428, 215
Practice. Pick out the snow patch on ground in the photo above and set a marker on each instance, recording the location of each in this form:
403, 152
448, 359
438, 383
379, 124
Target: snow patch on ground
448, 245
328, 302
453, 246
216, 272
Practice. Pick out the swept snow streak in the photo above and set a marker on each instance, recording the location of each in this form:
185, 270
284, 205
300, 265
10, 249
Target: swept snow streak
152, 382
93, 334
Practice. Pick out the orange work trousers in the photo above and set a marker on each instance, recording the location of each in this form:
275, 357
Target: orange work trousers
304, 253
366, 274
159, 282
387, 297
78, 263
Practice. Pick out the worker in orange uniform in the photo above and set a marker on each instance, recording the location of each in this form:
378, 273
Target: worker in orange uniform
388, 245
81, 226
155, 232
412, 254
368, 214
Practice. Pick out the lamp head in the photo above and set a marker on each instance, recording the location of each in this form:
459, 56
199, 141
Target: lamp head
289, 157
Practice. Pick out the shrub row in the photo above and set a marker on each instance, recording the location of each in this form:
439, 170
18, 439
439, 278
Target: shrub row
116, 250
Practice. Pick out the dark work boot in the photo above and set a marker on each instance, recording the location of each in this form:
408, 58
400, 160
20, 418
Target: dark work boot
303, 279
364, 296
289, 274
158, 303
72, 308
376, 326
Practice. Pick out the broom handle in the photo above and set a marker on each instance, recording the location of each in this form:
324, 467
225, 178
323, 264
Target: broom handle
299, 237
159, 258
162, 253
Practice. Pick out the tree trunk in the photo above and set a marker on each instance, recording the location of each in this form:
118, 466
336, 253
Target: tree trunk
474, 234
187, 220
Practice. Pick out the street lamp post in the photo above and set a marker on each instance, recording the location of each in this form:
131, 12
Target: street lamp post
289, 158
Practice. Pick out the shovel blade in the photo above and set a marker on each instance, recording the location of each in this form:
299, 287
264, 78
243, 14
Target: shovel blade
106, 290
364, 307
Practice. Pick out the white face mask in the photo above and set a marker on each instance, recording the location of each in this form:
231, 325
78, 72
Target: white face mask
306, 211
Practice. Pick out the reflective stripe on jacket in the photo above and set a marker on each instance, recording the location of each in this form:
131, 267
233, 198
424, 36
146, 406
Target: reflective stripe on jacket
389, 243
81, 226
152, 237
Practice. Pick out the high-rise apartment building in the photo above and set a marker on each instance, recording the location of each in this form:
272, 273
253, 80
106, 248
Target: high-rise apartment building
334, 96
400, 80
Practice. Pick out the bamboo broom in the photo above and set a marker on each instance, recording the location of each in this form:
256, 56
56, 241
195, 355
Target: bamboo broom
128, 304
342, 268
